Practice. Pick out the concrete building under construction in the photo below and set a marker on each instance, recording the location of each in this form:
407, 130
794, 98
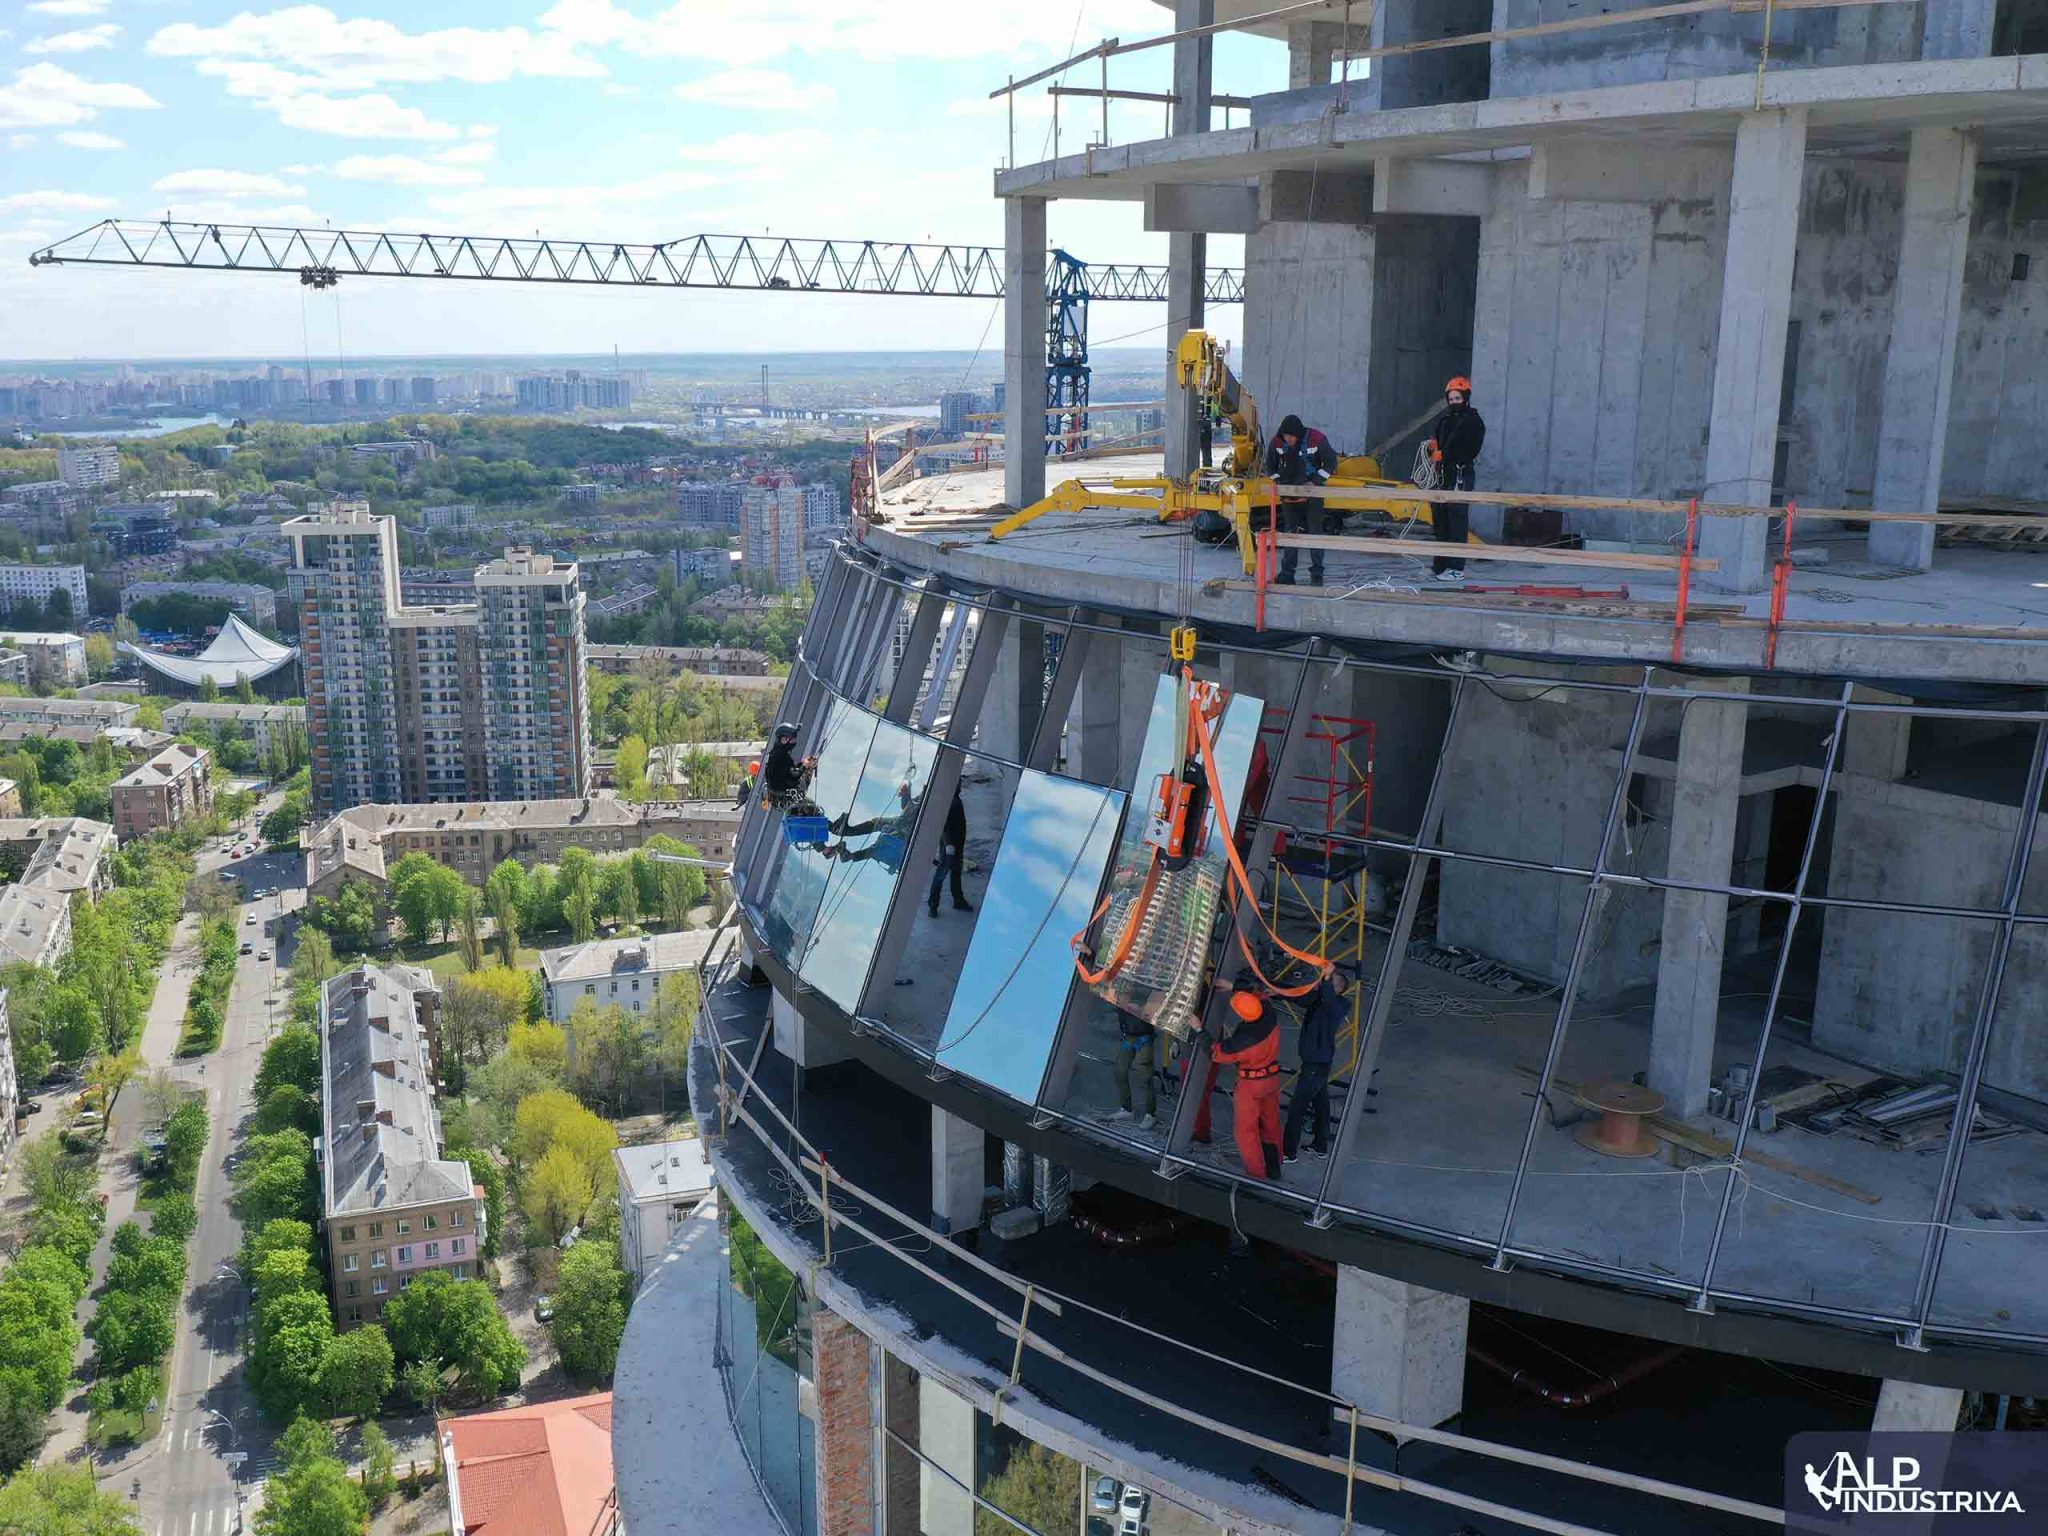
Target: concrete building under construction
1693, 1089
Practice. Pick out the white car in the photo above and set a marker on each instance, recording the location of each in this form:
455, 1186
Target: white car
1135, 1500
249, 921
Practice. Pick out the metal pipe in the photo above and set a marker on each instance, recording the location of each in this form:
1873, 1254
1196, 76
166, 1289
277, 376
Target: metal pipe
1598, 1391
1587, 914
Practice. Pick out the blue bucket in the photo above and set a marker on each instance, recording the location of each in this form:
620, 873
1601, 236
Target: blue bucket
805, 831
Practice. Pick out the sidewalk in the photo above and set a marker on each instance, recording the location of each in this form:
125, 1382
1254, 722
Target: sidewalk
119, 1178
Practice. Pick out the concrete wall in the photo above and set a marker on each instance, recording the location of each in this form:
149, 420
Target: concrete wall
1687, 48
1593, 345
1998, 414
1308, 326
1424, 79
1899, 992
1425, 284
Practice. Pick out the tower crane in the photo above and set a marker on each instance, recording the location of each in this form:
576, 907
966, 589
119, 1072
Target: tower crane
323, 257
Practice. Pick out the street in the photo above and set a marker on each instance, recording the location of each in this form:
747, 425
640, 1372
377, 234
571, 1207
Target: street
184, 1480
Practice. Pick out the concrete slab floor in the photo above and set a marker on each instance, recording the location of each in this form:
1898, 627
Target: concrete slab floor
2002, 590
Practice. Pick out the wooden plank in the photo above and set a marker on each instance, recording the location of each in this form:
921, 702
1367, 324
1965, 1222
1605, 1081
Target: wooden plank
1430, 549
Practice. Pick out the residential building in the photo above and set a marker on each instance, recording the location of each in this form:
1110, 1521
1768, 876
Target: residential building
94, 712
587, 493
402, 453
541, 1469
473, 839
392, 1207
454, 515
165, 792
823, 507
10, 798
772, 531
720, 661
574, 391
49, 861
423, 390
622, 973
955, 406
55, 660
131, 740
262, 725
706, 567
38, 583
661, 1184
258, 604
624, 602
536, 703
436, 589
14, 668
89, 466
413, 704
710, 504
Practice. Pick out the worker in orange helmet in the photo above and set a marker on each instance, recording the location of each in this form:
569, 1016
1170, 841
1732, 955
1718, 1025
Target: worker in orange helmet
746, 789
1453, 448
1252, 1045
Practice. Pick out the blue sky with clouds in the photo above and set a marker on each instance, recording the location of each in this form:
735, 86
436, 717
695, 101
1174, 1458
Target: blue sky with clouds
612, 119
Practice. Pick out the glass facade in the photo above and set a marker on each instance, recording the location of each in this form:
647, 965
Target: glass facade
1764, 912
764, 1349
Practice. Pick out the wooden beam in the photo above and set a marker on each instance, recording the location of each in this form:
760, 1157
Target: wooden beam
1431, 549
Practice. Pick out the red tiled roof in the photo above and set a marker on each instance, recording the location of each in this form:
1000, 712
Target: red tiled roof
543, 1470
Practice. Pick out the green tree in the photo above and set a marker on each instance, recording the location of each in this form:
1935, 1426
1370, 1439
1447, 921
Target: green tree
312, 1495
590, 1310
63, 1501
185, 1142
469, 928
441, 1318
412, 895
292, 1335
380, 1475
275, 1177
1038, 1486
291, 1060
286, 1108
356, 1372
426, 1383
556, 1192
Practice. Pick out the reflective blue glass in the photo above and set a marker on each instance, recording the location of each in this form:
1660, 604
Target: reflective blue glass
804, 869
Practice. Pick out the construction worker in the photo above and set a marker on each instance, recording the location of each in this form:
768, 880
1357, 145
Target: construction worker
1300, 455
1453, 447
748, 784
1321, 1016
1253, 1047
951, 856
1137, 1057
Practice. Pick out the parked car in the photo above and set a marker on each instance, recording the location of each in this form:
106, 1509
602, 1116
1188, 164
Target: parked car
544, 1309
1105, 1495
1135, 1500
248, 949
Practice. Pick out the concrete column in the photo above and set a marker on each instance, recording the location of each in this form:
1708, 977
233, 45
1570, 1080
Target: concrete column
843, 1373
1909, 1405
945, 1434
1398, 1350
1875, 746
1749, 364
1705, 802
1187, 252
1311, 52
1024, 322
1920, 365
958, 1178
1095, 728
1016, 692
799, 1039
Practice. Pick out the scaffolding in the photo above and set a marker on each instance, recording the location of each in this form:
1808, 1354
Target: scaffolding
1319, 875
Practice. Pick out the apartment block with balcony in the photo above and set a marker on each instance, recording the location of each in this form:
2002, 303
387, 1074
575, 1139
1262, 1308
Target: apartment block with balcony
535, 702
392, 1207
165, 792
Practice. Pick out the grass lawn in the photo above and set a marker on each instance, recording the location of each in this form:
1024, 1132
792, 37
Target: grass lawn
444, 961
123, 1427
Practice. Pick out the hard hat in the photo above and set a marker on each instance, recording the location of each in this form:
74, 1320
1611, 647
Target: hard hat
1461, 384
787, 728
1247, 1006
754, 770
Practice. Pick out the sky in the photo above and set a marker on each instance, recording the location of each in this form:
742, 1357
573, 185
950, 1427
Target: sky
629, 120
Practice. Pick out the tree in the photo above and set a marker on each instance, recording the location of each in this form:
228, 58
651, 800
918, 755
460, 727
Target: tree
443, 1319
291, 1060
629, 771
426, 1383
53, 1176
578, 911
356, 1372
412, 895
185, 1141
469, 929
609, 1048
275, 1177
1040, 1487
543, 1044
349, 917
478, 1012
287, 1108
312, 1495
63, 1501
380, 1478
556, 1192
590, 1310
292, 1336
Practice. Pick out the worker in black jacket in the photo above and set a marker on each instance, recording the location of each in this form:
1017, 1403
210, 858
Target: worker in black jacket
786, 779
1454, 444
951, 855
1300, 455
1322, 1016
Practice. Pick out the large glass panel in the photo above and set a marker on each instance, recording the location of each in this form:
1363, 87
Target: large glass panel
803, 868
1029, 1482
863, 856
1013, 984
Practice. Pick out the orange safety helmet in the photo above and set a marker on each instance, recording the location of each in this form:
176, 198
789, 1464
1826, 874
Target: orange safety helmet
1246, 1006
754, 770
1460, 383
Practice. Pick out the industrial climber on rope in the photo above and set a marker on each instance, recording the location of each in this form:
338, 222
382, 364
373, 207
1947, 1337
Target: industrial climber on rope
1452, 449
786, 781
1300, 455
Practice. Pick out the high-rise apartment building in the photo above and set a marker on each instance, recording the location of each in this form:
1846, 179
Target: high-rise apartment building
86, 469
711, 504
772, 530
459, 701
822, 506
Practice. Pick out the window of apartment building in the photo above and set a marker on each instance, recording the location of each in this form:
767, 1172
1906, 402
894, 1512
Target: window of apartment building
404, 1227
353, 1288
459, 1271
349, 1263
348, 1234
456, 1247
405, 1253
455, 1218
380, 1287
378, 1260
376, 1229
355, 1314
433, 1251
433, 1221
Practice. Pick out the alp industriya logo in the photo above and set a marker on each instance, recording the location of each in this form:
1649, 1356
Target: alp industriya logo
1887, 1484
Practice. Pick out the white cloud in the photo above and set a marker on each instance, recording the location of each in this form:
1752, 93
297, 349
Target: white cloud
757, 90
54, 202
476, 152
359, 53
791, 146
85, 138
69, 7
300, 101
655, 207
80, 41
225, 184
21, 141
407, 171
47, 96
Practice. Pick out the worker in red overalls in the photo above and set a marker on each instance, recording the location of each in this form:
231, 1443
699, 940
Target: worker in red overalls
1253, 1047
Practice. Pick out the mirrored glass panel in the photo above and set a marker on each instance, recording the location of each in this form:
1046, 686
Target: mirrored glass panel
1013, 985
864, 852
803, 833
